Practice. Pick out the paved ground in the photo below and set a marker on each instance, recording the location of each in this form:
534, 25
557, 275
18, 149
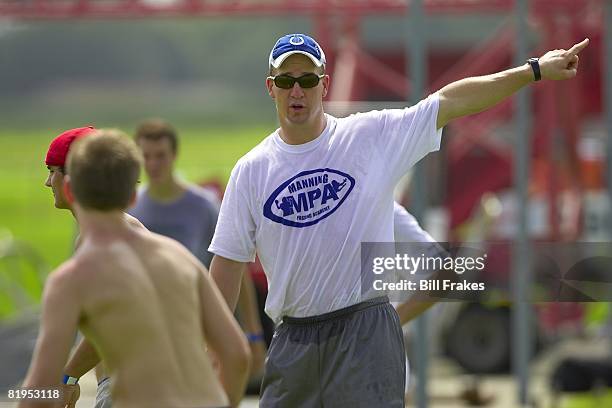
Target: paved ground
16, 344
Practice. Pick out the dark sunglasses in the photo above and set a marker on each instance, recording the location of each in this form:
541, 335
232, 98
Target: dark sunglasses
305, 81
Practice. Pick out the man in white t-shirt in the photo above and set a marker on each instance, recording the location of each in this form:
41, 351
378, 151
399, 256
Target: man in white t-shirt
305, 199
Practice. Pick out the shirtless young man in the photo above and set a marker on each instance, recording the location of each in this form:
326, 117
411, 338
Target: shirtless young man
143, 300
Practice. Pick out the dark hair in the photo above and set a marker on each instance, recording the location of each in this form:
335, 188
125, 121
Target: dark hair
157, 129
104, 169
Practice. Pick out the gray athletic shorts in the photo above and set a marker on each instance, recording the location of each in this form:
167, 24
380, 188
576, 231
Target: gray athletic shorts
103, 394
352, 357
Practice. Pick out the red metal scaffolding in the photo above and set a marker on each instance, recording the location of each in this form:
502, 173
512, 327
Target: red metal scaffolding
58, 9
560, 108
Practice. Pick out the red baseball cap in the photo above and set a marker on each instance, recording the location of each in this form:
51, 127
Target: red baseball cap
59, 147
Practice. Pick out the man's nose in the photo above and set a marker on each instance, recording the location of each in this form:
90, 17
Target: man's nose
48, 181
297, 91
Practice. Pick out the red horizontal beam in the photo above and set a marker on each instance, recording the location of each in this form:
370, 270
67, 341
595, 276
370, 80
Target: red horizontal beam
131, 9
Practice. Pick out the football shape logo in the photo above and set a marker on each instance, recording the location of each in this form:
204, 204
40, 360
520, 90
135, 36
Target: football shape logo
308, 197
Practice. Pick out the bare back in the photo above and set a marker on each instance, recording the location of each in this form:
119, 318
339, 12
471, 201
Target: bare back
141, 309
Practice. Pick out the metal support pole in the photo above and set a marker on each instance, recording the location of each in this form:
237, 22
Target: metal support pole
416, 72
521, 268
607, 83
607, 79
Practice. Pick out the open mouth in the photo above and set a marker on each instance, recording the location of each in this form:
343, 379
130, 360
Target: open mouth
296, 106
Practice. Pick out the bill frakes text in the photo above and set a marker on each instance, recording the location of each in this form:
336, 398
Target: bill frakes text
428, 285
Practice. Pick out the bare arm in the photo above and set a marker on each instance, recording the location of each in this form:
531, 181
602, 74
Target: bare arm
60, 314
227, 274
251, 323
225, 338
84, 358
247, 306
473, 95
412, 308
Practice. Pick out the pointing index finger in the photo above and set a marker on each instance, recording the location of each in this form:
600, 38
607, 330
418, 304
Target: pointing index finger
579, 47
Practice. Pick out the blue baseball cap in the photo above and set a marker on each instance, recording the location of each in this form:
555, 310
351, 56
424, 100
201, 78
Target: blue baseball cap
296, 44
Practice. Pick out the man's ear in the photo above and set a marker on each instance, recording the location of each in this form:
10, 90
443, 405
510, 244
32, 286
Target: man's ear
269, 86
326, 81
66, 186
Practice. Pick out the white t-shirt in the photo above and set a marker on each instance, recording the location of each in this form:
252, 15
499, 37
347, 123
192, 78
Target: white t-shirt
406, 228
305, 209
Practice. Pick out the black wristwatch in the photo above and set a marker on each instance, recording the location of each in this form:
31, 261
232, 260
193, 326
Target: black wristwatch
535, 67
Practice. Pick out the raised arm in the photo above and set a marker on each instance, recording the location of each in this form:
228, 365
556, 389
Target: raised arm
227, 274
59, 319
472, 95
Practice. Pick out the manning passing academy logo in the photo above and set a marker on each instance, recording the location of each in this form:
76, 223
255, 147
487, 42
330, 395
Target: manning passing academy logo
308, 197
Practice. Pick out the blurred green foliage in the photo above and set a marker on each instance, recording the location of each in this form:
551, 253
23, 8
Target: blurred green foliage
26, 205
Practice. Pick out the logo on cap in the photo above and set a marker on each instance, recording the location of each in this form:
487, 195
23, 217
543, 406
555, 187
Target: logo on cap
296, 40
296, 43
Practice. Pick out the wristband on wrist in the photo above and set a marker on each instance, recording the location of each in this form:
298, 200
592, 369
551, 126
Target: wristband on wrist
254, 337
535, 67
70, 380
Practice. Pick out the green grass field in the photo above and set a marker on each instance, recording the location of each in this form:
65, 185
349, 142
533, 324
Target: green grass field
26, 205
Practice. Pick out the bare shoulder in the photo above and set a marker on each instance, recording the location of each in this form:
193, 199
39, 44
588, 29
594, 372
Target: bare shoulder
90, 258
179, 251
66, 270
133, 221
171, 244
64, 277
